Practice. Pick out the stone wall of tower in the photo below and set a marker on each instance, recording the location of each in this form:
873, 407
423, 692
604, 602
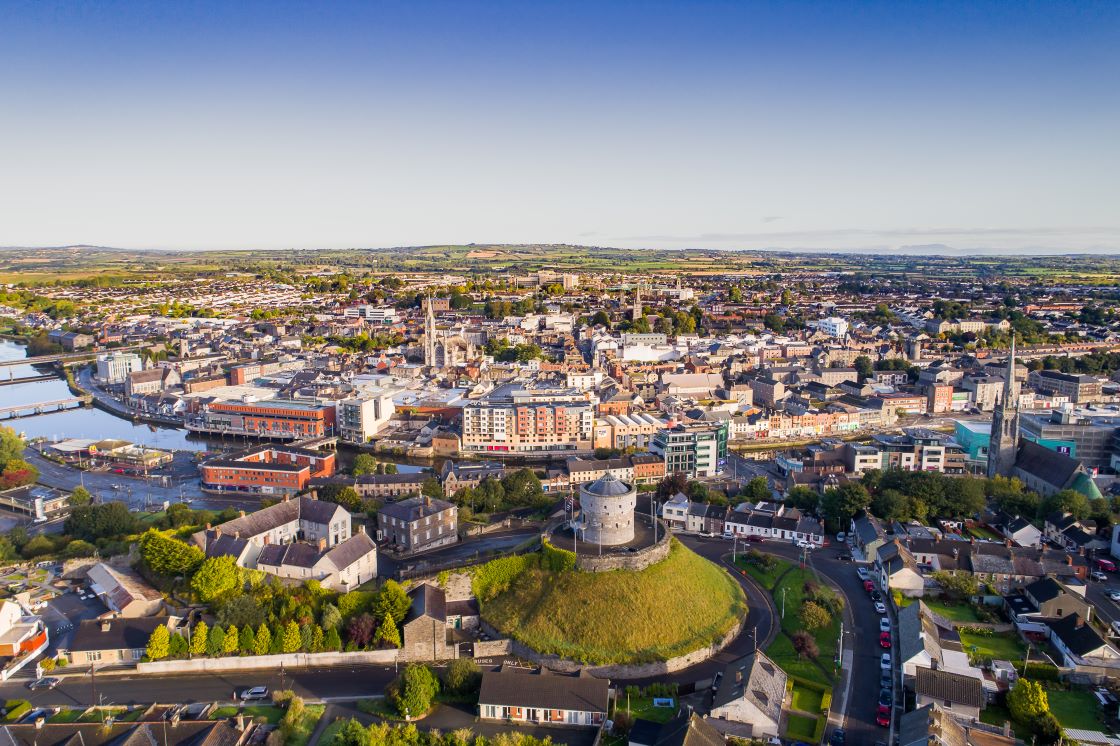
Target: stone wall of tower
607, 519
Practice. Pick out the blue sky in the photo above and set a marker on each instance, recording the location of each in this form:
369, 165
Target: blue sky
746, 125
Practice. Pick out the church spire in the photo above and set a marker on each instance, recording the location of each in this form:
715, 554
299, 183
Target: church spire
1004, 443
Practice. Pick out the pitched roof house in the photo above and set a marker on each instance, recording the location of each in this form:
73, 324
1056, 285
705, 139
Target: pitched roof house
541, 696
748, 702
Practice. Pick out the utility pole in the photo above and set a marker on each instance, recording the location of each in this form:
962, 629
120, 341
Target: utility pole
783, 602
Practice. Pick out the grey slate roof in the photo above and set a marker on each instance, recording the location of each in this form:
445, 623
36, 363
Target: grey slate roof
414, 508
543, 689
607, 485
688, 730
1079, 637
427, 600
123, 634
1051, 467
756, 678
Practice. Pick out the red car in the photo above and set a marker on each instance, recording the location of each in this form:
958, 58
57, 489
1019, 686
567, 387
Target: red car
884, 639
753, 537
883, 716
868, 586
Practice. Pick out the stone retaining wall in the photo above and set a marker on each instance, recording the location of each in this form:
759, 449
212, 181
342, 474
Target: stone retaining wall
632, 561
255, 662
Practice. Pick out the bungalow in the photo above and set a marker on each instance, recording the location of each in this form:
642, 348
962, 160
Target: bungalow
1079, 644
106, 642
686, 730
543, 697
748, 702
961, 695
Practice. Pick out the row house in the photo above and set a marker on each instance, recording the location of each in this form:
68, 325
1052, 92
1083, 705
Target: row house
786, 524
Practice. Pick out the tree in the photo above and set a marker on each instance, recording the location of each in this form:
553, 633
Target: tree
756, 490
388, 633
343, 495
864, 367
317, 639
352, 733
813, 615
105, 521
431, 487
80, 497
11, 444
892, 505
292, 640
803, 498
330, 617
169, 557
392, 601
805, 645
363, 464
246, 640
331, 641
843, 502
78, 548
671, 485
216, 577
958, 586
360, 630
415, 690
462, 675
178, 646
263, 641
159, 644
1066, 501
276, 644
243, 611
37, 546
216, 641
199, 638
1027, 701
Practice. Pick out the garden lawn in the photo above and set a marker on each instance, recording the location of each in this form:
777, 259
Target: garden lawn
961, 612
98, 714
781, 652
1004, 646
981, 532
765, 579
642, 707
65, 716
793, 583
271, 714
667, 609
806, 699
329, 733
311, 715
800, 728
1075, 709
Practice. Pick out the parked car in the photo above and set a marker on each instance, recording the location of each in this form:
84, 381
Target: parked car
838, 737
883, 716
876, 596
886, 699
868, 586
753, 537
47, 682
1105, 564
884, 624
845, 558
1115, 628
257, 692
886, 680
802, 544
884, 639
885, 662
880, 607
1114, 595
1098, 575
862, 572
840, 537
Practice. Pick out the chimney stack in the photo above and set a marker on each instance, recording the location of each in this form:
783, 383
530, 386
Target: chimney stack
242, 512
322, 544
361, 528
208, 527
106, 625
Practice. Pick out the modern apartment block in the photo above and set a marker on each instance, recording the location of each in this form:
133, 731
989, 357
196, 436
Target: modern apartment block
274, 418
694, 449
360, 417
521, 420
266, 470
1079, 388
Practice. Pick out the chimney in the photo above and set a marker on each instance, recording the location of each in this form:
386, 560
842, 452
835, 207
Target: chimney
1007, 542
361, 528
218, 532
106, 625
1078, 622
240, 723
208, 526
1069, 560
242, 512
237, 534
933, 664
287, 498
322, 543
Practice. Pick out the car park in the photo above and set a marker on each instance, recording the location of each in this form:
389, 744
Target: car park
884, 639
256, 692
884, 624
880, 607
885, 662
883, 716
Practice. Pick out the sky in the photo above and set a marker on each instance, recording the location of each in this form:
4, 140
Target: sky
859, 125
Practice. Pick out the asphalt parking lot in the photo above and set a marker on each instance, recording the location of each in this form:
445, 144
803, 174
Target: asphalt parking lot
63, 614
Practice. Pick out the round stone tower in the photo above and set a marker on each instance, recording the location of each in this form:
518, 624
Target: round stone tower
607, 506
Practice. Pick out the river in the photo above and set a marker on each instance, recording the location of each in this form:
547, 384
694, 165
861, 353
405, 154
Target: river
91, 422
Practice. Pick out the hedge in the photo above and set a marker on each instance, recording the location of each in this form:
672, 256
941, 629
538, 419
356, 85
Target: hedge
826, 702
16, 708
818, 732
1039, 671
555, 559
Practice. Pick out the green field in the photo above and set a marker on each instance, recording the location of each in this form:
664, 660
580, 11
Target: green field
271, 714
665, 610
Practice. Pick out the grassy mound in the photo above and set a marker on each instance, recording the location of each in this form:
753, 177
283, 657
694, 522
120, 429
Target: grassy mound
668, 609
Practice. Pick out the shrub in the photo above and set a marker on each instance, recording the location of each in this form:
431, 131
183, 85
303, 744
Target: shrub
813, 615
16, 708
805, 645
413, 694
462, 675
555, 559
497, 575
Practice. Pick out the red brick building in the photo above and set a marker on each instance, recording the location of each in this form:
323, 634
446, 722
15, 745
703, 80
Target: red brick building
266, 470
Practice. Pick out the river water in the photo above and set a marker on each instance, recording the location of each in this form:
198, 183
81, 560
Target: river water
91, 422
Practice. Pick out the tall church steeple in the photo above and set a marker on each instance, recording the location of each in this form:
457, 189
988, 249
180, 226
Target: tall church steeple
430, 335
637, 302
1004, 442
